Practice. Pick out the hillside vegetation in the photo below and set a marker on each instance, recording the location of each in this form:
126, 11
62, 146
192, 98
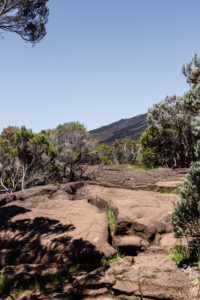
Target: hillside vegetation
63, 154
74, 211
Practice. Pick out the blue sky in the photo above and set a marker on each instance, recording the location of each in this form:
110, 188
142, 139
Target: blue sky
101, 61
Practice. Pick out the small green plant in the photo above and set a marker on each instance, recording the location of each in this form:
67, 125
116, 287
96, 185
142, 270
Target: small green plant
18, 291
198, 265
111, 219
5, 286
140, 167
179, 253
175, 191
52, 278
116, 257
74, 268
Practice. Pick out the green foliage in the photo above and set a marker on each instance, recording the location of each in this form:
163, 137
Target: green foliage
192, 70
186, 215
74, 149
9, 286
167, 191
25, 158
175, 191
74, 126
124, 151
74, 268
158, 146
150, 131
148, 158
104, 154
198, 266
179, 253
141, 167
111, 219
171, 133
5, 286
118, 255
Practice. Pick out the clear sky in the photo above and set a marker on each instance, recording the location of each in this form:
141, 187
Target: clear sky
101, 61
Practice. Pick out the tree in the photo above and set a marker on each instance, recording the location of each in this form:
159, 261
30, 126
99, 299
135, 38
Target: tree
100, 154
25, 158
27, 18
186, 215
164, 146
74, 146
9, 167
170, 136
124, 151
34, 152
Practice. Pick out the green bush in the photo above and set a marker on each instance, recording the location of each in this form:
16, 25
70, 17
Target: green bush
148, 158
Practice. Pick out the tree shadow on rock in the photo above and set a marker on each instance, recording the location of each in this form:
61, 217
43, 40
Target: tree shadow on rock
22, 241
42, 240
80, 251
8, 212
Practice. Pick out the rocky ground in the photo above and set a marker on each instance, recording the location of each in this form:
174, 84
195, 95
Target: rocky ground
57, 242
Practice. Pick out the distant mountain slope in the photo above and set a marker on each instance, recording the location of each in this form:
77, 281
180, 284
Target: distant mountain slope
131, 128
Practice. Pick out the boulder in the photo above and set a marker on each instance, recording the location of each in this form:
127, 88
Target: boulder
168, 185
54, 229
130, 244
141, 213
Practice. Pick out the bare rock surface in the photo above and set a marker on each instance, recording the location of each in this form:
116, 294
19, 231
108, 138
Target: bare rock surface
145, 277
136, 179
58, 229
150, 277
141, 213
63, 231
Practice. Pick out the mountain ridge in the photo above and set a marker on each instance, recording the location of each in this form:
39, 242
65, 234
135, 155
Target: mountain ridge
124, 128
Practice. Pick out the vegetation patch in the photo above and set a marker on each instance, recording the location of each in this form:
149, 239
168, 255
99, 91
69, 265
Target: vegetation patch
116, 257
179, 253
141, 168
5, 286
52, 278
111, 219
174, 191
74, 268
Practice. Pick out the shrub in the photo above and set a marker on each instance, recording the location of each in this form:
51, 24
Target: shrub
124, 151
25, 158
186, 215
74, 149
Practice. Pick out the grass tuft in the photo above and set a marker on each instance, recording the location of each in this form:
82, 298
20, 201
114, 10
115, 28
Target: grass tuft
116, 257
111, 219
175, 191
179, 253
141, 168
74, 268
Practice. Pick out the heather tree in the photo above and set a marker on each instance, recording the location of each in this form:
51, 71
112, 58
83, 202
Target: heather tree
26, 18
170, 137
186, 215
74, 148
100, 153
124, 151
25, 158
10, 174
